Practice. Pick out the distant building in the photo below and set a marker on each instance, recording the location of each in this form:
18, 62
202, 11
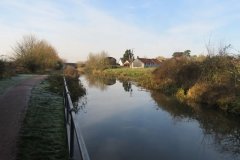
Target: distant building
126, 63
122, 63
111, 61
145, 63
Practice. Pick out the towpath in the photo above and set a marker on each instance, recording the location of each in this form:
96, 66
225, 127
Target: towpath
13, 105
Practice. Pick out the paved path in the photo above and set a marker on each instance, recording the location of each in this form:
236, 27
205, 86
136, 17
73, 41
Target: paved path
13, 104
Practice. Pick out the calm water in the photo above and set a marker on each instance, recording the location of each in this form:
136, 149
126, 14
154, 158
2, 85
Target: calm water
121, 121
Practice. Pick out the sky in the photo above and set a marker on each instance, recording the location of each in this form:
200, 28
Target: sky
150, 27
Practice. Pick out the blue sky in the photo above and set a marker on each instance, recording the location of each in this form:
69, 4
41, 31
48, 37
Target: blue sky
151, 27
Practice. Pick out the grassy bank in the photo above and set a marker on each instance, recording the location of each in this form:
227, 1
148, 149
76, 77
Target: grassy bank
143, 76
209, 81
43, 135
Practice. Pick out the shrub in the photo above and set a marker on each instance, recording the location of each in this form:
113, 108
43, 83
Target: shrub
196, 91
180, 95
218, 69
36, 55
181, 72
188, 75
70, 71
96, 62
75, 87
7, 69
2, 68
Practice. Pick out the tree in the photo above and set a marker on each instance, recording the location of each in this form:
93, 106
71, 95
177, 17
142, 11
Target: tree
128, 55
97, 61
180, 54
36, 55
187, 53
161, 58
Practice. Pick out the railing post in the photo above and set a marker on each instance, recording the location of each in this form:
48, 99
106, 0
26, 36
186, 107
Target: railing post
71, 138
74, 135
67, 109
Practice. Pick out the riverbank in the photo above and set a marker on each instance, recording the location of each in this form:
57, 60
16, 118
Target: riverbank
118, 116
142, 76
43, 134
211, 95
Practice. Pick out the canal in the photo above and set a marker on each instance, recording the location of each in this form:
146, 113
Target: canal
121, 121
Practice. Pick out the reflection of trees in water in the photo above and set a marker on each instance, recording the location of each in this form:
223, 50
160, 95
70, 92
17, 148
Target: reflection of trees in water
76, 89
127, 86
99, 82
81, 104
220, 129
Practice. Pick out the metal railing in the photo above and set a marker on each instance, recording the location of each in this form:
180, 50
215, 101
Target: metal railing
76, 145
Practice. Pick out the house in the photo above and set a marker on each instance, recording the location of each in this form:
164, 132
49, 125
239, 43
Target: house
145, 63
126, 63
121, 62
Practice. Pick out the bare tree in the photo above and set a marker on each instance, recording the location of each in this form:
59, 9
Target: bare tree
97, 61
35, 55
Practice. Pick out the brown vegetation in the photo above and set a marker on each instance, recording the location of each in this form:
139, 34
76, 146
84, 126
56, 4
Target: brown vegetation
70, 71
7, 68
213, 80
96, 62
35, 55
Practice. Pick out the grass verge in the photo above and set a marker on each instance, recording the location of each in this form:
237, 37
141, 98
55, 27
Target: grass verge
43, 135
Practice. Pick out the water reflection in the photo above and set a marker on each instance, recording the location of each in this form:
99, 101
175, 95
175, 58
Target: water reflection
81, 106
224, 129
150, 125
127, 86
99, 82
77, 90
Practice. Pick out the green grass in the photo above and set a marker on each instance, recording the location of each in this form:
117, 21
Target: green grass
142, 76
12, 81
43, 134
130, 72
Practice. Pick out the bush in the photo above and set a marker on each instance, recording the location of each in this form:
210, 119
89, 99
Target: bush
213, 80
196, 91
180, 95
188, 74
96, 62
36, 55
70, 71
180, 72
7, 69
2, 68
75, 87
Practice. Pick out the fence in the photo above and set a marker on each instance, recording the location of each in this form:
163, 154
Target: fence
76, 145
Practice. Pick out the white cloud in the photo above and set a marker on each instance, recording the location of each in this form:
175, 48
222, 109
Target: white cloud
81, 28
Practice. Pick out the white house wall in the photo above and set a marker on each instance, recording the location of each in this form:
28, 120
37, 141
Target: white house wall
137, 64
